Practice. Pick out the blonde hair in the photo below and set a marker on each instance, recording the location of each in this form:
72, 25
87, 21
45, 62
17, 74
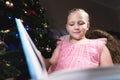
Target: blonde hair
81, 10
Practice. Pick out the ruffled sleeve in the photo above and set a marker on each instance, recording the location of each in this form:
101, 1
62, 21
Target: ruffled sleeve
63, 38
102, 41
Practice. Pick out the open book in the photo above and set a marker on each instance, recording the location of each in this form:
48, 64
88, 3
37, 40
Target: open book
38, 71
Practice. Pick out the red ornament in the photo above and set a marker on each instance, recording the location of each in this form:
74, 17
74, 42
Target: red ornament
31, 12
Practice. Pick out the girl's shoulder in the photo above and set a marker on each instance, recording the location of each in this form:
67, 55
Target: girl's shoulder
101, 41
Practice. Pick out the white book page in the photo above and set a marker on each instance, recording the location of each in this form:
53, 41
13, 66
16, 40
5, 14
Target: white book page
101, 73
33, 56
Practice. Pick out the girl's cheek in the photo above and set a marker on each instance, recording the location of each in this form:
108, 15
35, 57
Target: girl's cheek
85, 27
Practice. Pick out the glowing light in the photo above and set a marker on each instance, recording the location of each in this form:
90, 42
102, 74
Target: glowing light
25, 12
7, 64
9, 17
9, 4
17, 35
5, 31
27, 27
48, 48
25, 4
40, 35
45, 25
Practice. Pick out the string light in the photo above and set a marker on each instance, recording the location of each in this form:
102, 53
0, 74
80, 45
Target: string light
25, 12
25, 5
5, 31
9, 4
17, 35
45, 25
9, 17
27, 27
48, 48
40, 35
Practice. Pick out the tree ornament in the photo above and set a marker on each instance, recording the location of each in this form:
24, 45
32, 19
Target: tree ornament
31, 12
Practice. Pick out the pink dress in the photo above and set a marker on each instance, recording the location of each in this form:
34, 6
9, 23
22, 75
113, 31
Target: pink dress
78, 56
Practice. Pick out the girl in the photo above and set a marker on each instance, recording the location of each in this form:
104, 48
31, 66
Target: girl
79, 52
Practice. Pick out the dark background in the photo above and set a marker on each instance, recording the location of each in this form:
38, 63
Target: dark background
104, 14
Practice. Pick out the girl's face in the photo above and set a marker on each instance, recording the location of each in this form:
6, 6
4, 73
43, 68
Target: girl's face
77, 25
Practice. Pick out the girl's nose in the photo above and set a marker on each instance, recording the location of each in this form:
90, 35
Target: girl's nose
76, 27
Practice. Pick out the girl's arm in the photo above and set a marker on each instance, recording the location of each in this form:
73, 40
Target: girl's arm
55, 55
53, 59
106, 59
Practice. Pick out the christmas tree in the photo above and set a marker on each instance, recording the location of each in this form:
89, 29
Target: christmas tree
34, 18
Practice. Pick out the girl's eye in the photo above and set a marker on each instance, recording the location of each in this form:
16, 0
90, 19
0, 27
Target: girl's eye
71, 24
81, 23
